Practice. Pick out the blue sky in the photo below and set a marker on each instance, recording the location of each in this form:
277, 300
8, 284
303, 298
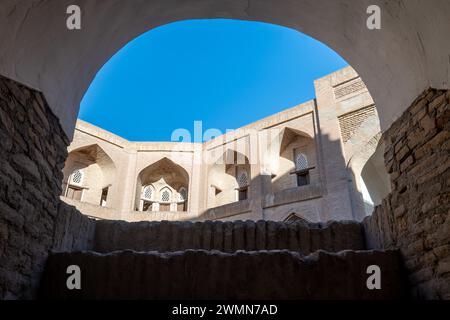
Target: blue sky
225, 73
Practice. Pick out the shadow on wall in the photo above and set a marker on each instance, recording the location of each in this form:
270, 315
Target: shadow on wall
300, 182
298, 174
366, 168
375, 178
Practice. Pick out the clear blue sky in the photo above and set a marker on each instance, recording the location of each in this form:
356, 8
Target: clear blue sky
225, 73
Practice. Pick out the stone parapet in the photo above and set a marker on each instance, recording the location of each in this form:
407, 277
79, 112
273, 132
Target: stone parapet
228, 236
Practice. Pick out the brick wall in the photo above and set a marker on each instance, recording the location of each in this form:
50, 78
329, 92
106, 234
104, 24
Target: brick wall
415, 217
350, 122
348, 88
33, 151
227, 236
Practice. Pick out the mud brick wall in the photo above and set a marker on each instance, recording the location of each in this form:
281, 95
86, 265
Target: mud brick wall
227, 236
33, 151
200, 274
415, 217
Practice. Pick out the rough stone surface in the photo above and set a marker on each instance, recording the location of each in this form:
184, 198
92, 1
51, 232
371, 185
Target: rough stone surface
73, 230
415, 217
198, 274
33, 151
227, 236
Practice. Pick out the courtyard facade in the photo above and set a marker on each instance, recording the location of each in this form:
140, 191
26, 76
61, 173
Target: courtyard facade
318, 161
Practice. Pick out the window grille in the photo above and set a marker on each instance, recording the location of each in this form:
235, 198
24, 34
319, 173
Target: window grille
165, 196
147, 193
301, 162
242, 179
77, 178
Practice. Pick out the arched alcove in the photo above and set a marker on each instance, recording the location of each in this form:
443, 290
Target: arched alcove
165, 179
89, 175
295, 163
367, 171
375, 179
229, 179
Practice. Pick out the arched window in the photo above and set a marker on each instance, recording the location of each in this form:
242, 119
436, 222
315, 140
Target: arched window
74, 189
166, 195
147, 193
146, 198
76, 178
301, 162
242, 179
302, 169
182, 194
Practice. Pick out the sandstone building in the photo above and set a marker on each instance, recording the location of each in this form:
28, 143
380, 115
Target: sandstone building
310, 162
45, 69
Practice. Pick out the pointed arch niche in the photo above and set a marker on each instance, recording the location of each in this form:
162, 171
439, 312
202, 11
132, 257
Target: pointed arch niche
229, 179
296, 164
89, 174
162, 186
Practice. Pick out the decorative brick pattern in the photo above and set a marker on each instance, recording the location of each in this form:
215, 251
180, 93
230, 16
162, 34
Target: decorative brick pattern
350, 122
348, 88
415, 217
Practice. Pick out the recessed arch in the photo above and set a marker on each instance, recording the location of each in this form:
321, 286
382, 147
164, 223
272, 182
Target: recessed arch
228, 178
165, 178
90, 176
294, 164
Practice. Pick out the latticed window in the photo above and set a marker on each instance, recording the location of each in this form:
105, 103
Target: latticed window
147, 193
301, 162
77, 177
182, 194
242, 179
165, 196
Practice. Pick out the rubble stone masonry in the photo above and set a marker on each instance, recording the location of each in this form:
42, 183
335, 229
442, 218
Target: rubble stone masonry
415, 217
33, 151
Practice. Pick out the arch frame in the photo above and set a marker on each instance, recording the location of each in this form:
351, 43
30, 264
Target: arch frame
65, 63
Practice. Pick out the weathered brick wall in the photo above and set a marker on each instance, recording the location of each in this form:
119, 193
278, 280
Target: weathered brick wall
227, 236
33, 151
350, 122
73, 230
415, 217
199, 274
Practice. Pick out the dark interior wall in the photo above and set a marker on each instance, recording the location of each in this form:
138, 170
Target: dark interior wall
33, 151
415, 217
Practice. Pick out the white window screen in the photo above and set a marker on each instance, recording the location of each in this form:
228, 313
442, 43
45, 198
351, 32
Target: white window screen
301, 162
165, 196
147, 193
77, 177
